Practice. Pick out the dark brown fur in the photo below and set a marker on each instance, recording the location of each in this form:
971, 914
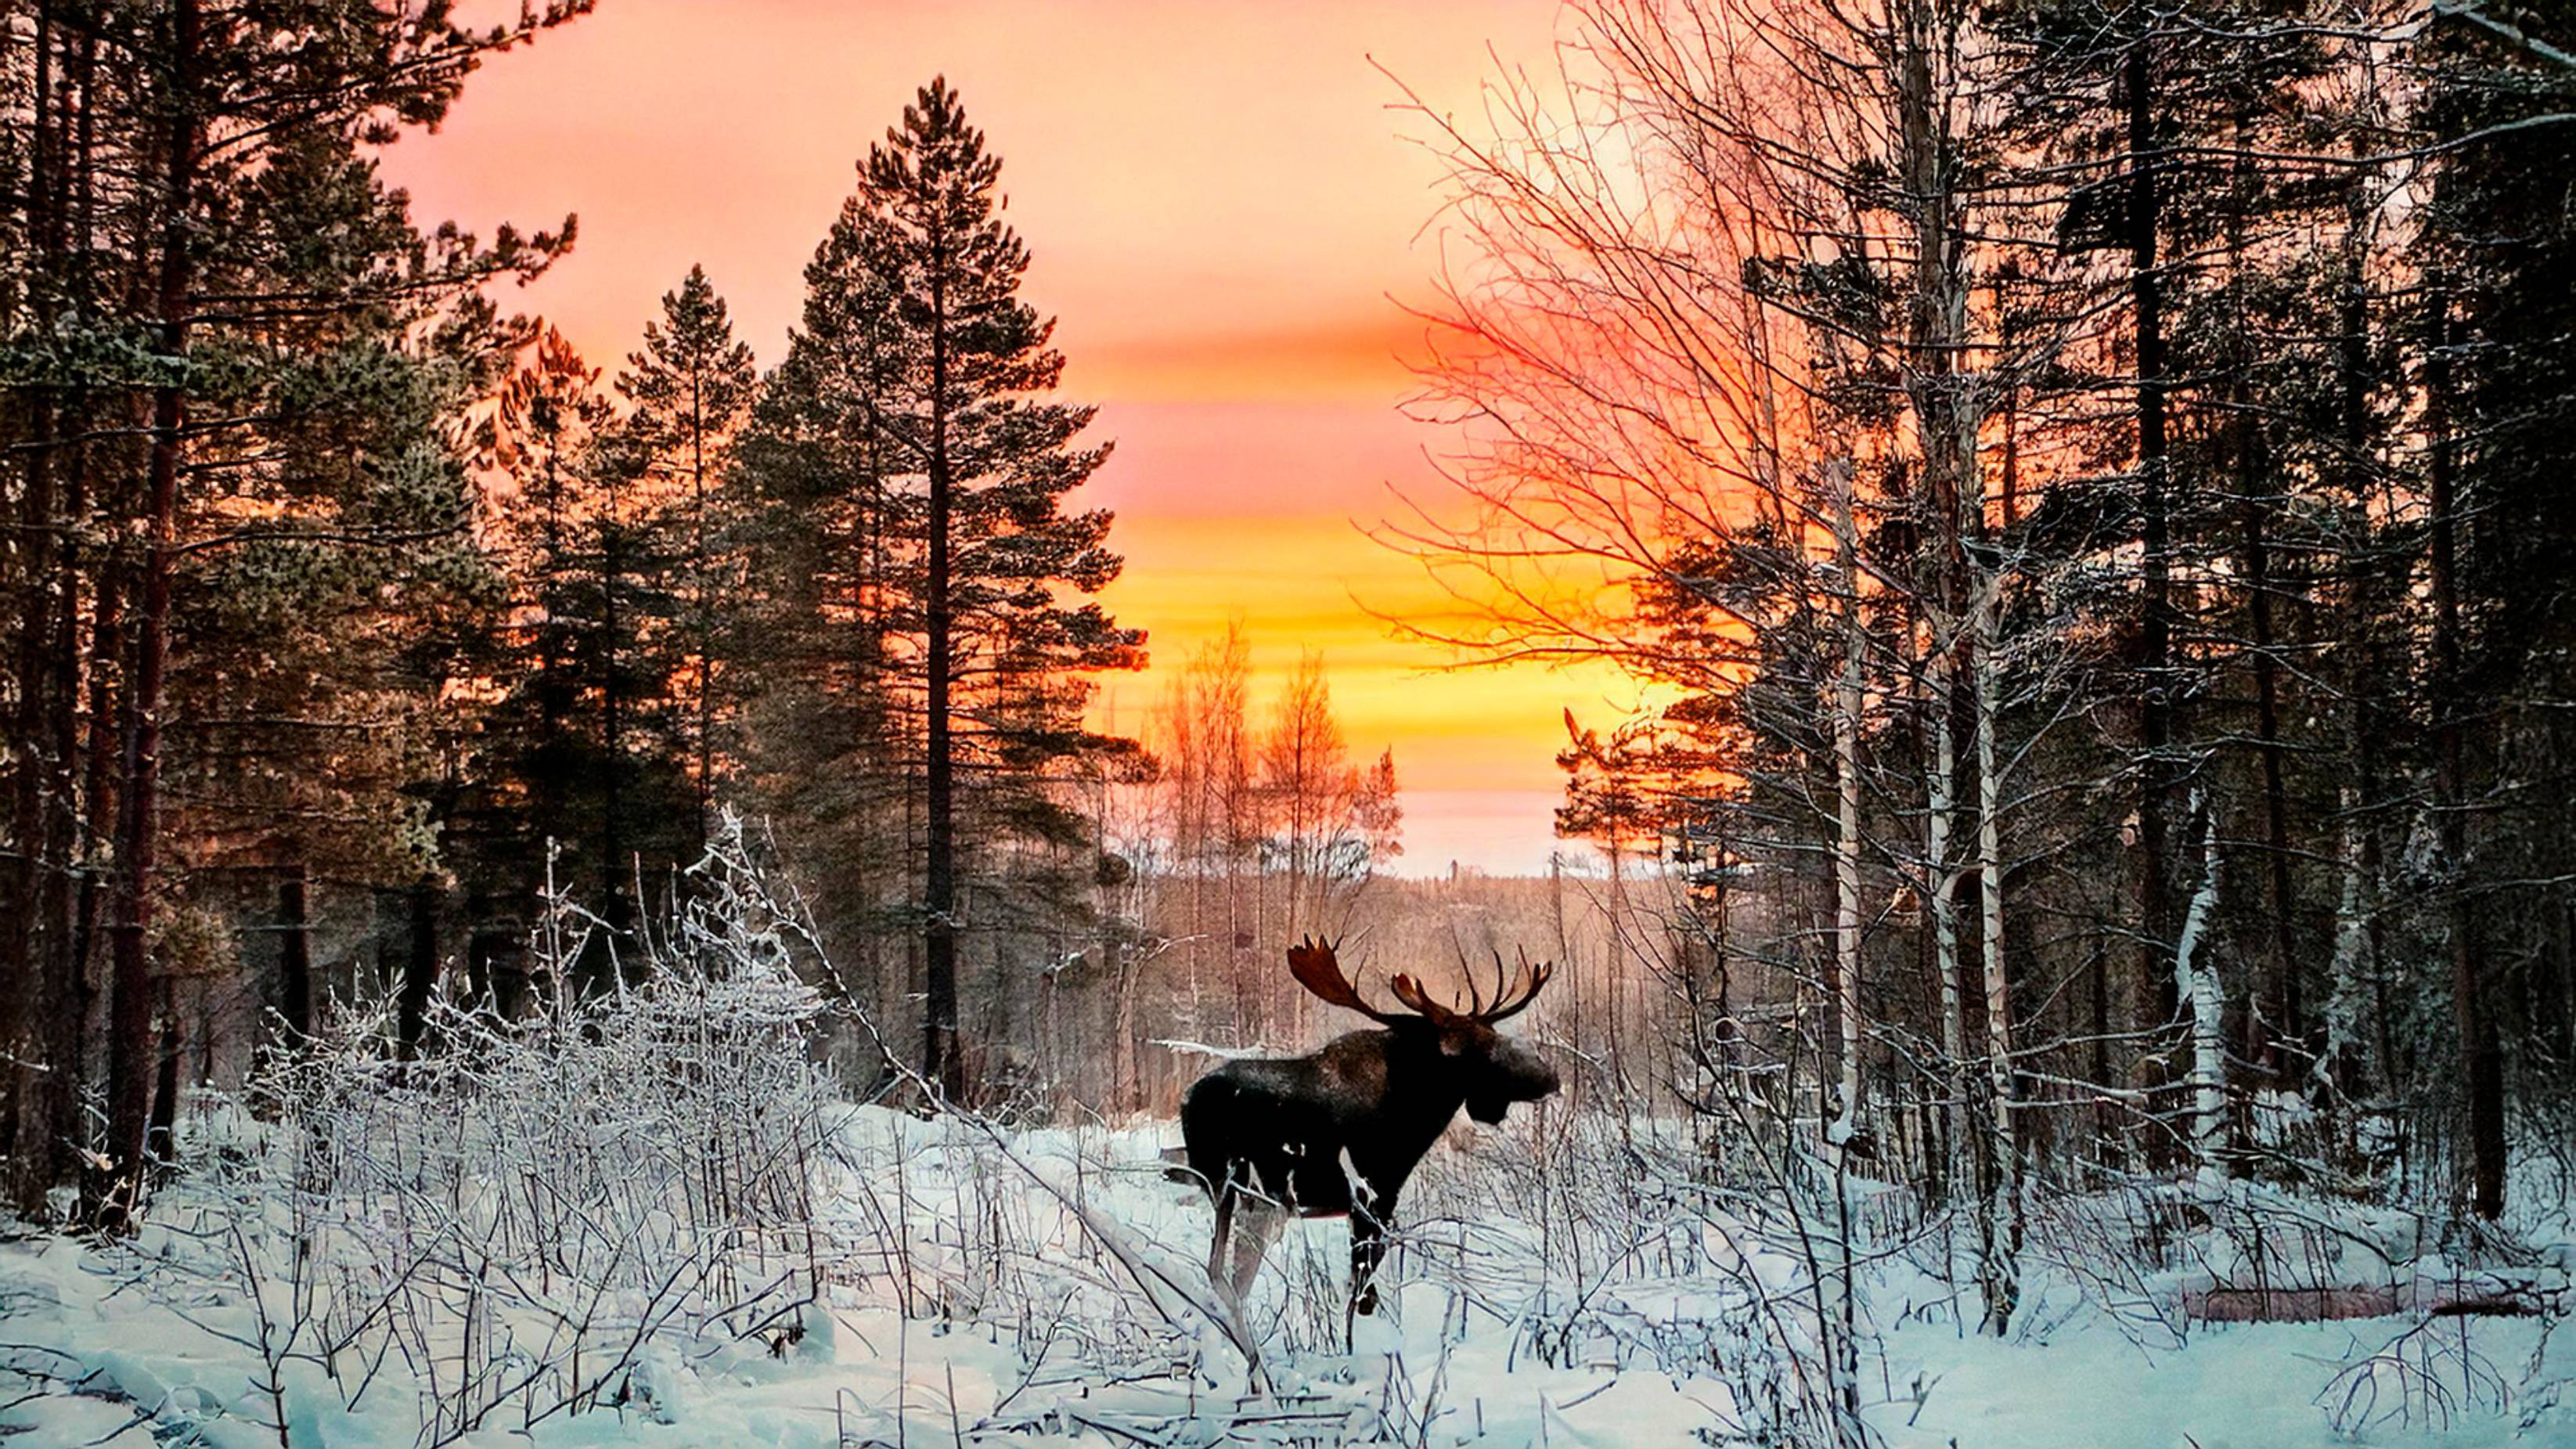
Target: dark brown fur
1339, 1130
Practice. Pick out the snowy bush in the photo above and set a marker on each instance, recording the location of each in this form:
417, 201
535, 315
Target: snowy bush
527, 1217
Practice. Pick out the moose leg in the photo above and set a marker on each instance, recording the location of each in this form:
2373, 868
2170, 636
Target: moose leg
1225, 1199
1253, 1236
1368, 1247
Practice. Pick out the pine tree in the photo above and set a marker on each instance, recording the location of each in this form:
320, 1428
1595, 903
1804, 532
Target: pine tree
690, 387
913, 409
540, 437
215, 257
588, 736
2499, 415
2168, 150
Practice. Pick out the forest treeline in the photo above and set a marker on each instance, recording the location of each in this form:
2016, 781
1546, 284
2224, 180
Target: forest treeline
2089, 481
357, 633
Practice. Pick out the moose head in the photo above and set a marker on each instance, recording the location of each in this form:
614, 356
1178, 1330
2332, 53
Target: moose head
1490, 1070
1340, 1130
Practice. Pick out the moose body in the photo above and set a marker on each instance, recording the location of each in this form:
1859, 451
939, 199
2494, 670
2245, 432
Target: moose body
1340, 1130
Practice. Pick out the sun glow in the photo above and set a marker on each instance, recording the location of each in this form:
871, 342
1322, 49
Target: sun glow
1225, 208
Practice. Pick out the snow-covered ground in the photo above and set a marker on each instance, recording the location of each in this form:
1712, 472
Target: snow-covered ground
646, 1218
1054, 1298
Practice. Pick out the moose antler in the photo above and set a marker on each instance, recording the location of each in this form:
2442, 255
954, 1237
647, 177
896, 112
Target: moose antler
1410, 992
1507, 1005
1319, 970
1509, 999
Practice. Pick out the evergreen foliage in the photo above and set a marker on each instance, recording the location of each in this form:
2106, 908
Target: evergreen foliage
925, 633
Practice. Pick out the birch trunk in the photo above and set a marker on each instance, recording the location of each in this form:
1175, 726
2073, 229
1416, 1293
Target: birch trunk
2196, 981
1847, 707
1937, 888
2351, 944
2001, 1282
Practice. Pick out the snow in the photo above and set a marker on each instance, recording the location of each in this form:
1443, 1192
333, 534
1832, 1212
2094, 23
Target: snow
1055, 1297
648, 1220
2246, 1386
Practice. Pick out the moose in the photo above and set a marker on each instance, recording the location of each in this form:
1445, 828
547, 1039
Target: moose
1338, 1131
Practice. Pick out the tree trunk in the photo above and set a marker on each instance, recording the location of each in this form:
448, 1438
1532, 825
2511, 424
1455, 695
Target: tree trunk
295, 953
161, 1139
2159, 1006
940, 1061
1847, 839
29, 933
420, 969
1946, 424
617, 873
130, 1007
1940, 892
31, 870
705, 608
61, 994
2001, 1283
70, 1027
2356, 897
2481, 1056
2196, 981
2253, 505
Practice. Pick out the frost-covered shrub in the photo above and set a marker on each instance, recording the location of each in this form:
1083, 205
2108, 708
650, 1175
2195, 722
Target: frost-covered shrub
527, 1217
1630, 1243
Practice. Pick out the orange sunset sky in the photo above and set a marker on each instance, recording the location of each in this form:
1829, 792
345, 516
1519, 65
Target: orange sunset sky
1221, 199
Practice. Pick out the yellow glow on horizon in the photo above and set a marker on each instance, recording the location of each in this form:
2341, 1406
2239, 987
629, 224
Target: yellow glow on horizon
1316, 582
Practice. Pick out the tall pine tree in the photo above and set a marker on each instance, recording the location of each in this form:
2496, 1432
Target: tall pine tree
2499, 415
908, 446
589, 777
690, 387
232, 378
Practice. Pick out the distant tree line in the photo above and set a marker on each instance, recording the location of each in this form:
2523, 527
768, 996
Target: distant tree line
2083, 480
